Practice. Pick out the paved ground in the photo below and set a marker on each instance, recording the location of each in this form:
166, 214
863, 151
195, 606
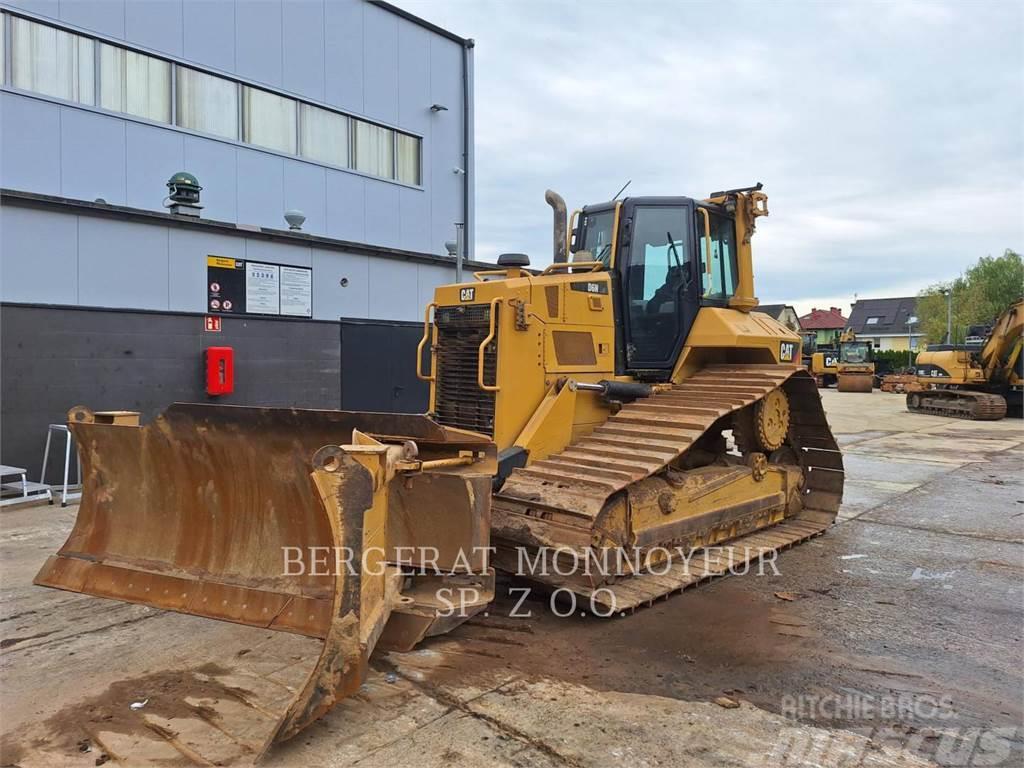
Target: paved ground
897, 641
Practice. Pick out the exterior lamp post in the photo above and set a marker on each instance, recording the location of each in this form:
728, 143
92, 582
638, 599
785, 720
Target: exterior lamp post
948, 293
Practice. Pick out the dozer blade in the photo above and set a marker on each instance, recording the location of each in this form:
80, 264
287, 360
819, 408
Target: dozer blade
264, 517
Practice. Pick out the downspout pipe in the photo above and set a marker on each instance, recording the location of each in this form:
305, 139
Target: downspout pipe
558, 210
468, 161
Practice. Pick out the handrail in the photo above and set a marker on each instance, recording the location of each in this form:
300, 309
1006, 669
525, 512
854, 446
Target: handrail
573, 218
707, 249
482, 274
423, 341
480, 352
595, 266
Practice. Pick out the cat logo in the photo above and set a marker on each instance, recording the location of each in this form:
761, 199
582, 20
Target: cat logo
831, 361
467, 294
786, 351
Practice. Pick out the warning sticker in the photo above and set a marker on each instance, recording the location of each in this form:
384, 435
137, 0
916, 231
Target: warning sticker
220, 261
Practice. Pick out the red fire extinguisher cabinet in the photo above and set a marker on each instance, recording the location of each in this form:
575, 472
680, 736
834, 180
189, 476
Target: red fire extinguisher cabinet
220, 370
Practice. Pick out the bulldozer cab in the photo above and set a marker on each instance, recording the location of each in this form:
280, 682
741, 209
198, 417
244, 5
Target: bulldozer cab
668, 257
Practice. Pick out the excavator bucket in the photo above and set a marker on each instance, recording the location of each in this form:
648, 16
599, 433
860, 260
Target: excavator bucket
273, 518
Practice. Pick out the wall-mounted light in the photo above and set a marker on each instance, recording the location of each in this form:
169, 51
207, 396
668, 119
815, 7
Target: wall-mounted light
458, 171
438, 108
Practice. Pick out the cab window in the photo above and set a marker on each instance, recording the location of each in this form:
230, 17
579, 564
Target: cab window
720, 281
596, 235
855, 352
657, 272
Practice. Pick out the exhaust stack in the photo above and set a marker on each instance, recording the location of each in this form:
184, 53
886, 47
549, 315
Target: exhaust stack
557, 204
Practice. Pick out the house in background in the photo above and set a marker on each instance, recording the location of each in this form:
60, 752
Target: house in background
888, 323
826, 324
784, 313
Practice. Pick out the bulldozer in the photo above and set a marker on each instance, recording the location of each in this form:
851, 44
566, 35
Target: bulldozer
855, 369
591, 427
974, 381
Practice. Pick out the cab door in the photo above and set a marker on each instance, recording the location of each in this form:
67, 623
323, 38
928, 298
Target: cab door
659, 293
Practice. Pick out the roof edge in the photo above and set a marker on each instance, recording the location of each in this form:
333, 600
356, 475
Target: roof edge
468, 42
18, 198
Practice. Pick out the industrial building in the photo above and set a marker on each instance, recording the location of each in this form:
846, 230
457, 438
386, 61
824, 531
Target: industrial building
352, 117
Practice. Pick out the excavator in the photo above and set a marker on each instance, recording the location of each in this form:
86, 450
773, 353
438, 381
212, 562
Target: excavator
591, 427
983, 381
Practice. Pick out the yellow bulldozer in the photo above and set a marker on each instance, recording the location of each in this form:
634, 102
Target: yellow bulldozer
627, 400
974, 381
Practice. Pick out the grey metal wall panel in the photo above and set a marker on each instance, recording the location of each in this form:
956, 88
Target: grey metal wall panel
278, 253
428, 278
152, 156
155, 24
38, 256
414, 219
445, 147
208, 33
49, 8
346, 206
414, 78
187, 265
382, 212
380, 64
258, 41
305, 188
216, 166
103, 16
29, 144
302, 30
261, 191
343, 54
332, 300
394, 290
92, 152
129, 270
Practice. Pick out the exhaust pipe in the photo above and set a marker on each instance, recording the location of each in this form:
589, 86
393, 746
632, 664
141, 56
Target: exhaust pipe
561, 225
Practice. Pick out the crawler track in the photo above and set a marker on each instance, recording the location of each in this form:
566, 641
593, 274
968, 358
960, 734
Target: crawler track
556, 502
958, 404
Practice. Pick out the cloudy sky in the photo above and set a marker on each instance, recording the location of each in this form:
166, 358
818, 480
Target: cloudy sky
889, 136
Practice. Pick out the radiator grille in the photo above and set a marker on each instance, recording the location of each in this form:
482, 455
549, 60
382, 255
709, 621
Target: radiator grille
458, 400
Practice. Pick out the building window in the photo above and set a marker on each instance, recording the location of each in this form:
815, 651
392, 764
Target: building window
64, 65
52, 62
872, 321
375, 150
409, 159
268, 120
324, 135
134, 83
207, 103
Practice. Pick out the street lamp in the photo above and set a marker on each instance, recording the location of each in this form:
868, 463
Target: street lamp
910, 345
948, 293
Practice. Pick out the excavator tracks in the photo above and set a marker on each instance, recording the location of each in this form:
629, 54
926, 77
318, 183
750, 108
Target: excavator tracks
557, 502
958, 404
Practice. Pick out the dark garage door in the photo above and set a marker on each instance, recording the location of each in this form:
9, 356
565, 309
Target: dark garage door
378, 366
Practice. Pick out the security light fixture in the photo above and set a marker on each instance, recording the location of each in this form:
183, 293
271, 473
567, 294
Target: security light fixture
438, 108
452, 247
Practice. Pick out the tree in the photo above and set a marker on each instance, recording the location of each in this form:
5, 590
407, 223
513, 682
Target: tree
979, 295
